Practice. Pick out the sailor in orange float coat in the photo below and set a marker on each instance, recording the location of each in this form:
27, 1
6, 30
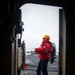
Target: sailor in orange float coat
44, 55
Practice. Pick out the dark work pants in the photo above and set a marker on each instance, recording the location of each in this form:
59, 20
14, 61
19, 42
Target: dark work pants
52, 57
42, 67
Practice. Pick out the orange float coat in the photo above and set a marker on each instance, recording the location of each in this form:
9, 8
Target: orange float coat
44, 50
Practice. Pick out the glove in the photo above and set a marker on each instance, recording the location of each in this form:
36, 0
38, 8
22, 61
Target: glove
34, 49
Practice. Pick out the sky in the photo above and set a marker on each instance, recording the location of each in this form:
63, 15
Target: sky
38, 21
